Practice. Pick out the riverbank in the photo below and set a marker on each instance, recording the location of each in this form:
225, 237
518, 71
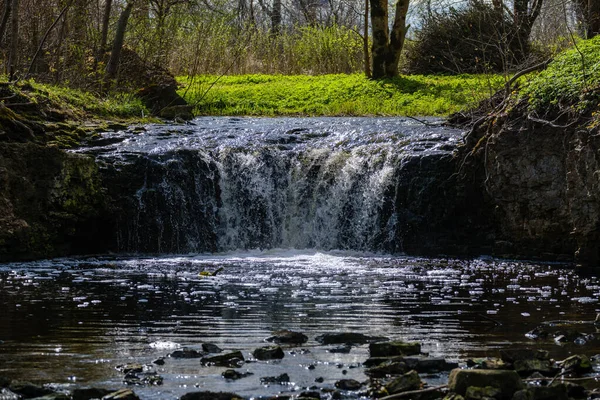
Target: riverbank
335, 95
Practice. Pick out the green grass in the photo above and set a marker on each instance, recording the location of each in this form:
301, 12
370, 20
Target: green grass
571, 80
79, 102
272, 95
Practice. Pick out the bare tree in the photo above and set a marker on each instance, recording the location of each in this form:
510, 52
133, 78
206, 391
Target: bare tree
387, 45
14, 41
115, 54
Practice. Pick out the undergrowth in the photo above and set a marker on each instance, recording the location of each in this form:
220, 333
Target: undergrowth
328, 95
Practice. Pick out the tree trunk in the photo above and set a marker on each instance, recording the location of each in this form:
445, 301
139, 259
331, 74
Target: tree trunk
14, 41
115, 54
386, 48
276, 17
366, 41
593, 19
104, 33
5, 17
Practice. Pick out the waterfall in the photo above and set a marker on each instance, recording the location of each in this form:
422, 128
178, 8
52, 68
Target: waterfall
227, 184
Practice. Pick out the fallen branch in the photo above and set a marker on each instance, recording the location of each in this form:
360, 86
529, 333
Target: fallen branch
413, 392
525, 71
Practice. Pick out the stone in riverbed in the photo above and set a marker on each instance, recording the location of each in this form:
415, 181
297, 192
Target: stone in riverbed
90, 393
287, 336
210, 396
186, 353
52, 396
281, 379
578, 363
28, 390
397, 348
555, 392
6, 394
512, 355
268, 353
387, 368
232, 374
340, 349
348, 384
231, 360
507, 381
308, 395
480, 393
127, 368
403, 383
348, 337
211, 348
123, 394
527, 367
429, 365
147, 378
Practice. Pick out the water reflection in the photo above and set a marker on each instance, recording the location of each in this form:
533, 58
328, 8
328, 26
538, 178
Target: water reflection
72, 321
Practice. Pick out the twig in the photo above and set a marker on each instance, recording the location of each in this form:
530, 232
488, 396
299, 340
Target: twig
421, 121
525, 71
551, 123
413, 392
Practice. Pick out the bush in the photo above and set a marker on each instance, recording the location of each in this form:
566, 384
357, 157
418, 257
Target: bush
466, 40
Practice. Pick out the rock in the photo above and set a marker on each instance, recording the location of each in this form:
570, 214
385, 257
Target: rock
348, 384
373, 361
6, 394
186, 353
123, 394
147, 378
527, 367
127, 368
281, 379
180, 112
406, 382
397, 348
286, 336
231, 360
210, 396
90, 393
479, 393
4, 382
211, 348
512, 355
507, 381
387, 368
235, 375
557, 392
429, 365
268, 353
52, 396
340, 349
347, 337
159, 361
28, 389
578, 363
310, 395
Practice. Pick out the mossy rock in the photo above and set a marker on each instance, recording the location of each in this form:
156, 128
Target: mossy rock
507, 381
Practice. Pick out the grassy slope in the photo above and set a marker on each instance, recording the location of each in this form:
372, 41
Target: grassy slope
270, 95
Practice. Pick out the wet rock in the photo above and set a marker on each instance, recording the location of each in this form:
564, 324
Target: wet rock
231, 360
348, 384
90, 393
348, 337
186, 353
52, 396
211, 348
527, 367
28, 389
406, 382
159, 361
397, 348
281, 379
127, 368
286, 336
235, 375
373, 361
6, 394
512, 355
340, 349
578, 363
148, 378
539, 333
479, 393
123, 394
268, 353
387, 368
210, 396
575, 391
320, 379
310, 395
557, 392
507, 381
429, 365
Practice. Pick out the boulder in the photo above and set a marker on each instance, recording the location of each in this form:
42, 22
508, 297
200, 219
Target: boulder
555, 392
210, 396
123, 394
268, 353
404, 383
397, 348
90, 393
507, 381
186, 353
28, 390
348, 384
211, 348
578, 363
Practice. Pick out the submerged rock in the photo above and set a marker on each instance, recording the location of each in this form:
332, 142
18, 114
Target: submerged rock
235, 375
347, 337
232, 360
210, 396
186, 353
123, 394
507, 381
406, 382
268, 353
397, 348
555, 392
287, 336
281, 379
211, 348
348, 384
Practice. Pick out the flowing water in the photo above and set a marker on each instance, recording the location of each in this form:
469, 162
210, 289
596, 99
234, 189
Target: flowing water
308, 219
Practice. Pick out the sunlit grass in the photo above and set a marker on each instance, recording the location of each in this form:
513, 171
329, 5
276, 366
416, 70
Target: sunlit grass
271, 95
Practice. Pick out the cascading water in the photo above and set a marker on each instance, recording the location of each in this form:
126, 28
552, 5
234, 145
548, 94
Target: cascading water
228, 183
